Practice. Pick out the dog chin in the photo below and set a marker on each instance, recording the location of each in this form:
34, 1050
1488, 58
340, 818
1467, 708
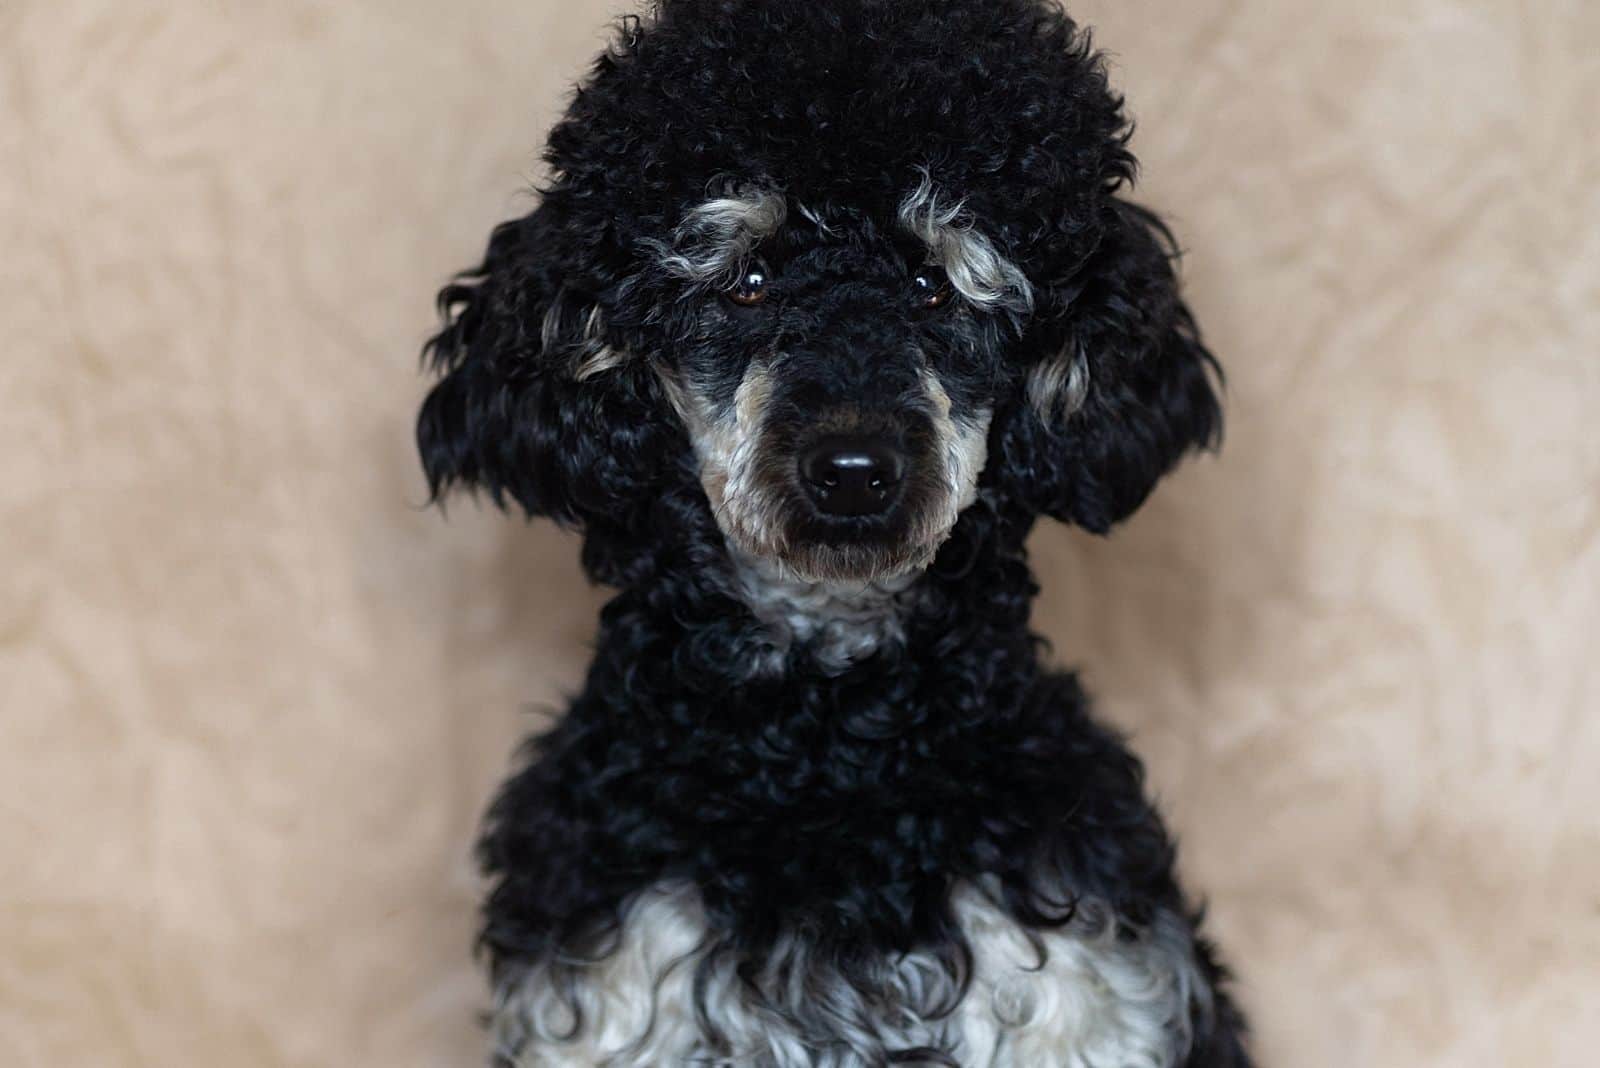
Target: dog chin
790, 540
854, 562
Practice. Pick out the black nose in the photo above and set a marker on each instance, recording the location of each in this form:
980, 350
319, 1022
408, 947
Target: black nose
852, 475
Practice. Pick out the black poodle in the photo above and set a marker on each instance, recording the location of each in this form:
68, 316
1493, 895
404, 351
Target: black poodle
824, 302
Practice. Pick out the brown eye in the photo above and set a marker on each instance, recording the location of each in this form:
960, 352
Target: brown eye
752, 288
931, 285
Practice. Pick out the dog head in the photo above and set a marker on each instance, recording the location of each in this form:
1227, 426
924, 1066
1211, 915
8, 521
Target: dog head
846, 267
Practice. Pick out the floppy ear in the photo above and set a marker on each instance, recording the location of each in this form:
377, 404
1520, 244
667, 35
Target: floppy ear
1121, 387
534, 403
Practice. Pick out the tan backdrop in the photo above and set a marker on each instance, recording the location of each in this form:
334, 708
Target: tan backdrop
254, 697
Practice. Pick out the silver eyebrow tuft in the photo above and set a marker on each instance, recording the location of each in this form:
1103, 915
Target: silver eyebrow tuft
976, 269
711, 243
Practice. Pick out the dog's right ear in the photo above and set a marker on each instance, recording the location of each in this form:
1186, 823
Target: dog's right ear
535, 405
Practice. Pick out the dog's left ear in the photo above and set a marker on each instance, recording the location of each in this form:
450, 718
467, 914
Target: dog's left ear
1117, 386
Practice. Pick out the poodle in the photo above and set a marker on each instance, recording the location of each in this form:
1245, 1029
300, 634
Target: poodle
822, 304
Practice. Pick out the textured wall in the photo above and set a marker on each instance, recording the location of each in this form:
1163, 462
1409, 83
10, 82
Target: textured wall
252, 697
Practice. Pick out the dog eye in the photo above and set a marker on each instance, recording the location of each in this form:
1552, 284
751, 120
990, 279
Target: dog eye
932, 286
752, 288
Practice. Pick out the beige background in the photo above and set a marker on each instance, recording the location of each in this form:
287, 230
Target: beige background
253, 698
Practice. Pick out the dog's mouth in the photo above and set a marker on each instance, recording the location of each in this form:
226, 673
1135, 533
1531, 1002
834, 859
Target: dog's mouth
835, 491
843, 500
842, 496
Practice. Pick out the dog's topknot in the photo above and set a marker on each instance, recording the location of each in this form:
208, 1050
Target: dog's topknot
1004, 100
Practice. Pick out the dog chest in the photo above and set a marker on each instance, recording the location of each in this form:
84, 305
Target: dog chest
663, 991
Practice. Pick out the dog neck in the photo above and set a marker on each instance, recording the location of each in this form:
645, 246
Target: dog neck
838, 624
813, 715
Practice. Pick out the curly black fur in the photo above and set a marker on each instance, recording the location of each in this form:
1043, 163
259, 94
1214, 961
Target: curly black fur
851, 798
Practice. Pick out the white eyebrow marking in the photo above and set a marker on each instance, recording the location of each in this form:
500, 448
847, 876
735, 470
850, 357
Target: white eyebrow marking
710, 245
975, 267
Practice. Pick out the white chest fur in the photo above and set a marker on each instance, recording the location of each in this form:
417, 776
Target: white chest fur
842, 622
1077, 996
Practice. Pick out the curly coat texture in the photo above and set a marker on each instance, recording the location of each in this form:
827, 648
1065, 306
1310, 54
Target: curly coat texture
844, 801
